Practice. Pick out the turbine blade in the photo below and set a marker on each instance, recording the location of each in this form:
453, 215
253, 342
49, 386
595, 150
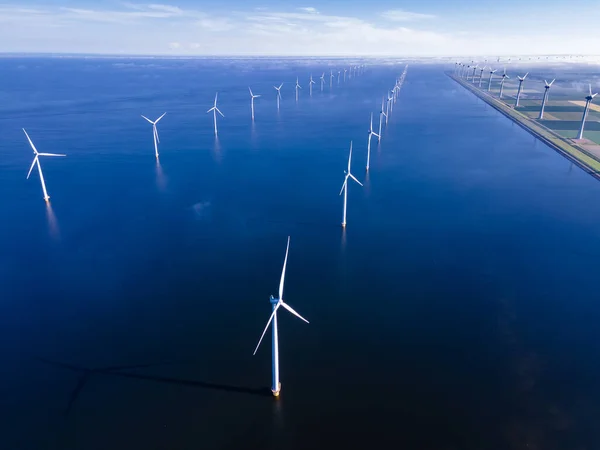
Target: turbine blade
51, 154
148, 119
290, 309
265, 330
33, 146
552, 82
283, 270
344, 184
251, 95
354, 178
32, 164
156, 133
156, 121
590, 86
216, 95
219, 111
210, 109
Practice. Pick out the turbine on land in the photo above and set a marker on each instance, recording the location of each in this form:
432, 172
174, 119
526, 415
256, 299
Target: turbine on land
36, 160
278, 89
155, 133
546, 89
297, 87
276, 303
345, 185
310, 83
371, 133
521, 79
214, 109
504, 76
588, 100
492, 72
252, 97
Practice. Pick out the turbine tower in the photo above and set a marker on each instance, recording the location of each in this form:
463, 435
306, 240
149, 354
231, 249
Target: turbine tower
588, 100
330, 79
276, 303
504, 76
381, 115
278, 89
546, 88
481, 76
474, 70
322, 78
345, 185
492, 72
252, 97
297, 87
214, 109
371, 133
36, 160
155, 133
521, 79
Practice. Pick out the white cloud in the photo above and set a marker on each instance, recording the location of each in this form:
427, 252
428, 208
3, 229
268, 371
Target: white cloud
399, 15
309, 9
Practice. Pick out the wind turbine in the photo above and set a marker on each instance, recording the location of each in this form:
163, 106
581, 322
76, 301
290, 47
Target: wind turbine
345, 185
481, 75
546, 87
521, 79
588, 100
371, 133
467, 71
330, 79
390, 103
278, 89
297, 87
381, 114
155, 133
474, 70
214, 109
345, 70
338, 80
277, 302
310, 83
322, 78
504, 76
252, 97
36, 160
492, 72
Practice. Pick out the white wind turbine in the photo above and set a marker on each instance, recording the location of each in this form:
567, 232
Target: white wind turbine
310, 83
546, 89
504, 76
474, 70
371, 133
588, 100
492, 72
381, 114
214, 109
521, 79
481, 75
338, 80
276, 303
155, 133
278, 89
297, 87
36, 160
252, 97
322, 78
345, 70
345, 185
330, 79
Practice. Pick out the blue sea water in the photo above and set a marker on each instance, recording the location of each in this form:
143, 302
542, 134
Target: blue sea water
457, 311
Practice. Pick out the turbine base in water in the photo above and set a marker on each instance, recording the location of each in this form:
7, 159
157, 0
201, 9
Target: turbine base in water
276, 392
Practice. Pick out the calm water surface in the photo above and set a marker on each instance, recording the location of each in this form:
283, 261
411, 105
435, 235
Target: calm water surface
458, 311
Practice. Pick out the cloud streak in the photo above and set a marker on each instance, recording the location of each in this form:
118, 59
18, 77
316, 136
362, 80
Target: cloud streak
399, 15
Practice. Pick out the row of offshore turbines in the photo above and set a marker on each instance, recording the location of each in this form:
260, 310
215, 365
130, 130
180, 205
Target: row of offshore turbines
387, 105
468, 71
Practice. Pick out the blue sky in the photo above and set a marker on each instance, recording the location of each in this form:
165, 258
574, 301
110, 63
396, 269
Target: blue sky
324, 28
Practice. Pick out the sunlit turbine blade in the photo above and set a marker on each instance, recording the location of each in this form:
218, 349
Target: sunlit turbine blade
51, 154
32, 165
216, 95
290, 309
552, 82
219, 111
35, 150
148, 119
344, 184
590, 86
211, 109
354, 178
251, 95
156, 133
156, 121
283, 270
265, 330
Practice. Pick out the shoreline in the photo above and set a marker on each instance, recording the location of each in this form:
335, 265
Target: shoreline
586, 161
